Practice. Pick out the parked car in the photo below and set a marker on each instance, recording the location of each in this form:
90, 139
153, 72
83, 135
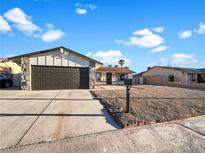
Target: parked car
5, 81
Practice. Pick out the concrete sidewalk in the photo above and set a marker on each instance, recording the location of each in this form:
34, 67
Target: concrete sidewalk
178, 136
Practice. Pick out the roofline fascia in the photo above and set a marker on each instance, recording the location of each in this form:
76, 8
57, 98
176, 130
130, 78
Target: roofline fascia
48, 50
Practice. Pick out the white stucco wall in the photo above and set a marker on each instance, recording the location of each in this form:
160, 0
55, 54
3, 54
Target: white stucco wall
115, 76
56, 58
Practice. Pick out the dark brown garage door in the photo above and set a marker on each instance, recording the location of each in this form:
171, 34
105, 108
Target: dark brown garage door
54, 77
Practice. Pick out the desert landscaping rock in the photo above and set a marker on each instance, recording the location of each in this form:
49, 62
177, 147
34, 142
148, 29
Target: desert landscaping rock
150, 104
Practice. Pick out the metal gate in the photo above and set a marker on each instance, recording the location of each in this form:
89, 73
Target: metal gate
56, 77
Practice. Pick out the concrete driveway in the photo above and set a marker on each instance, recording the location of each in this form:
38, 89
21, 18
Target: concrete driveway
28, 117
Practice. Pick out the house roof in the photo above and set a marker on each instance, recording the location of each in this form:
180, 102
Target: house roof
139, 74
49, 50
183, 69
202, 70
115, 69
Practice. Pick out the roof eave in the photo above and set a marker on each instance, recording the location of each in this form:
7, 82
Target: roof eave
48, 50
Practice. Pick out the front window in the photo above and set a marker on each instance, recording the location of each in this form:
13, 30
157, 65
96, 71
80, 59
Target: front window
192, 77
98, 76
122, 77
1, 77
171, 78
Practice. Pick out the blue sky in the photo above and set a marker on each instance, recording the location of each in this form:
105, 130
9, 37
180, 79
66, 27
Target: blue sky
143, 32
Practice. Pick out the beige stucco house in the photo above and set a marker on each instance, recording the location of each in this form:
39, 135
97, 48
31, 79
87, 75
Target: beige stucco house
11, 70
112, 75
56, 68
159, 75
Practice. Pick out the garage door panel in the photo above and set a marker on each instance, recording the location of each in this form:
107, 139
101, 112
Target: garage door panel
84, 78
49, 77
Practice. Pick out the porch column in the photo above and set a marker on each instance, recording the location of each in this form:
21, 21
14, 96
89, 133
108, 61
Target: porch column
196, 77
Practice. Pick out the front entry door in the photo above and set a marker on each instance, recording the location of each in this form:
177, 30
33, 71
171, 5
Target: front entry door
109, 78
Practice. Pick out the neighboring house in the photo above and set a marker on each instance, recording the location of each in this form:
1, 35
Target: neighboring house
138, 79
11, 70
56, 68
165, 75
113, 75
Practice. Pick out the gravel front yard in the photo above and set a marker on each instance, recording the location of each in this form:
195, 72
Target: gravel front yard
150, 104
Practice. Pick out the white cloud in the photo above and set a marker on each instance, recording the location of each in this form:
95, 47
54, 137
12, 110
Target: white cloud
182, 56
52, 35
49, 26
147, 41
119, 41
109, 57
201, 29
83, 9
159, 49
89, 54
11, 34
185, 34
162, 62
10, 55
4, 26
142, 32
158, 29
92, 7
21, 21
180, 59
77, 4
24, 23
143, 38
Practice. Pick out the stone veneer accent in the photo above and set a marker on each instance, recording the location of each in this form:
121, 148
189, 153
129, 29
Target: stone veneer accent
25, 73
92, 75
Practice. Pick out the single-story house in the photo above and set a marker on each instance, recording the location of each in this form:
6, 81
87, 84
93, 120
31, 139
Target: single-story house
158, 75
11, 70
56, 68
112, 75
137, 78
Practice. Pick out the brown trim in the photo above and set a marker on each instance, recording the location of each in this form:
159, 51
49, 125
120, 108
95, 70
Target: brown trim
45, 60
115, 70
61, 60
52, 49
37, 60
59, 66
68, 59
